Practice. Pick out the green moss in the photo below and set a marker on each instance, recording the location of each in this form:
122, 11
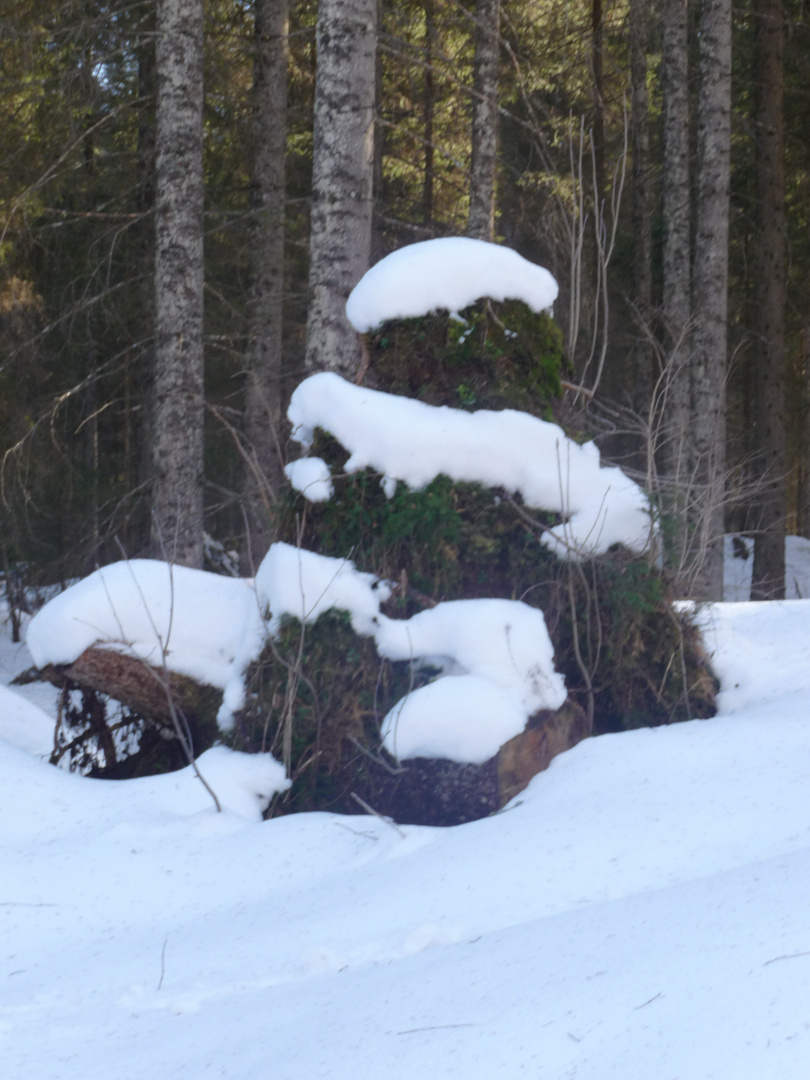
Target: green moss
316, 697
493, 356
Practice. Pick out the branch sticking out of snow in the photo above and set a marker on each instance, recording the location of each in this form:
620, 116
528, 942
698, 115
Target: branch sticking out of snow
449, 273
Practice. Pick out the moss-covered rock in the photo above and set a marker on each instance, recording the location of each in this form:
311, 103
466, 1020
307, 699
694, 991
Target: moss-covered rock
629, 657
489, 356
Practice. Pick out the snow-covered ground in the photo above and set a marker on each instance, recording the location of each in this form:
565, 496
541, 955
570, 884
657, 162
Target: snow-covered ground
640, 912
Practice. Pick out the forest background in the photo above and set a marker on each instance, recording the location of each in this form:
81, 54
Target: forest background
578, 114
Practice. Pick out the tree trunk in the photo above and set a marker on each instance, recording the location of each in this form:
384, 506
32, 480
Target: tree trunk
768, 582
677, 274
481, 223
140, 361
598, 133
177, 491
263, 401
342, 178
642, 214
428, 112
708, 343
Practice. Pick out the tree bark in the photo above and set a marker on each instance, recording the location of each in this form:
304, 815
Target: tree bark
677, 273
263, 397
342, 178
642, 213
177, 488
768, 581
481, 225
140, 362
597, 62
708, 343
428, 111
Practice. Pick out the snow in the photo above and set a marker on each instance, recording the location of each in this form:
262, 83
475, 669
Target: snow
303, 584
212, 627
739, 564
463, 718
499, 664
639, 911
408, 440
203, 625
449, 273
311, 476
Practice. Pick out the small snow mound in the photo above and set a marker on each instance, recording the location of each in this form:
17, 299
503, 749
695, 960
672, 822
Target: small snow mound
499, 669
459, 717
450, 273
24, 724
310, 476
303, 584
243, 783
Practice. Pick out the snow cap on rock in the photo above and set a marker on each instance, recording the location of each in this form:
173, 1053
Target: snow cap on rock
449, 273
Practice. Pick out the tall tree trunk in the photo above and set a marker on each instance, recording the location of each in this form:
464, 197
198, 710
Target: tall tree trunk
642, 213
677, 273
708, 345
342, 178
140, 361
481, 223
768, 581
265, 298
177, 488
598, 135
429, 108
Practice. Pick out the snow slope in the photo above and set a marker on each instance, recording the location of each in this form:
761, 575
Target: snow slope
639, 912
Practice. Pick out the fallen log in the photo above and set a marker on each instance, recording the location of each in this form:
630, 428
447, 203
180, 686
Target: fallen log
153, 696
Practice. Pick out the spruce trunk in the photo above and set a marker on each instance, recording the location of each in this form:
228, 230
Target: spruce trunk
177, 488
768, 581
342, 178
708, 344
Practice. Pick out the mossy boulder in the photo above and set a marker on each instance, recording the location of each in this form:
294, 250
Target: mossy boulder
628, 655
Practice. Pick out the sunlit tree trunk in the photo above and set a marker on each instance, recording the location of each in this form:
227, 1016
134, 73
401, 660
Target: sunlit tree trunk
708, 340
484, 120
177, 487
768, 581
263, 400
342, 178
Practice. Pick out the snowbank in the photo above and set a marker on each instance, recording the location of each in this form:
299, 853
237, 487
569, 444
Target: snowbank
640, 911
449, 273
410, 441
